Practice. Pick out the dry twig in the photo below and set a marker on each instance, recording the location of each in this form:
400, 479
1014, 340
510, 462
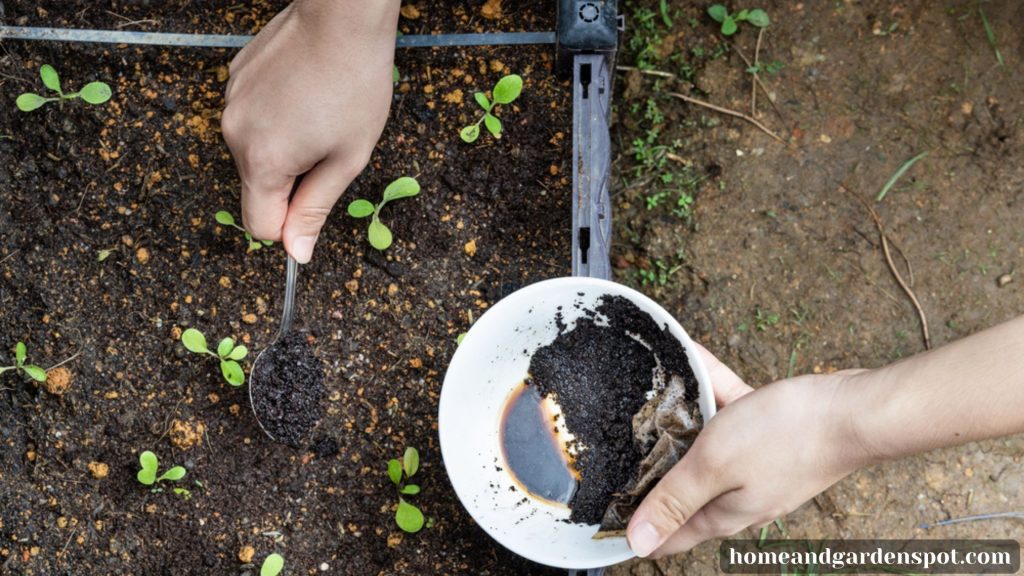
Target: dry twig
892, 266
753, 85
727, 111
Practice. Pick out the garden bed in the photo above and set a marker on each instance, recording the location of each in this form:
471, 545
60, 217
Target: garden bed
139, 179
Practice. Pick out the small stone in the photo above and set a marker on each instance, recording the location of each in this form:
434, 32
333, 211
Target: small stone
454, 97
352, 286
224, 282
324, 567
392, 289
1004, 280
142, 255
410, 11
394, 539
967, 108
58, 381
249, 318
491, 10
99, 470
825, 138
185, 435
246, 554
470, 248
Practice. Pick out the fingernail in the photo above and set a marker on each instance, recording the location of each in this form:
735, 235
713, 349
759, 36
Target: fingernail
302, 248
644, 539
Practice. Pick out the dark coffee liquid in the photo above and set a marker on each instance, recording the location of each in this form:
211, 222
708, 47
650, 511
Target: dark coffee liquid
534, 454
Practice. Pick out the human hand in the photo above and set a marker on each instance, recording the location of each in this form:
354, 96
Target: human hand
763, 455
309, 95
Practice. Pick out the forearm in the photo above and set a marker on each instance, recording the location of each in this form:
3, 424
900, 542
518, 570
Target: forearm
966, 391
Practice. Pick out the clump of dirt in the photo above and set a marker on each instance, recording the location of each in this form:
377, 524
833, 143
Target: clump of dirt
600, 373
290, 385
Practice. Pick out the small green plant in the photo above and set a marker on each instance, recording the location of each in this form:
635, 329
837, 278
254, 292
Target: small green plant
149, 466
227, 353
408, 517
93, 92
20, 354
272, 565
505, 92
225, 218
730, 22
765, 320
379, 234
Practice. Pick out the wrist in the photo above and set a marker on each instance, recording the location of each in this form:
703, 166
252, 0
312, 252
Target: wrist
855, 415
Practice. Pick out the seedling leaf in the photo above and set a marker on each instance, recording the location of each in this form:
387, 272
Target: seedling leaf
95, 92
176, 473
272, 566
403, 187
225, 347
379, 235
238, 353
408, 517
28, 102
470, 133
195, 341
729, 26
508, 88
898, 174
718, 13
20, 353
482, 100
50, 78
224, 217
411, 461
149, 463
410, 489
758, 18
493, 125
35, 372
232, 372
395, 471
742, 15
360, 208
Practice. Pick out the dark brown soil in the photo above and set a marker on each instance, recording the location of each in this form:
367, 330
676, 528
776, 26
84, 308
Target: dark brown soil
289, 389
143, 176
600, 374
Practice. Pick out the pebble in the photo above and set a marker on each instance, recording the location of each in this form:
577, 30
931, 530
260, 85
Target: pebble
58, 381
1004, 280
246, 554
99, 470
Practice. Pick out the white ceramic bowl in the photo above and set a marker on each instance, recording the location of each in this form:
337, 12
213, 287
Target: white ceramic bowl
485, 369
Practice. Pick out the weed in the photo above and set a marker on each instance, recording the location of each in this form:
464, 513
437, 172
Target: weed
659, 275
770, 68
505, 92
227, 353
272, 565
408, 517
991, 35
897, 175
31, 370
765, 320
379, 234
93, 92
730, 22
225, 218
149, 466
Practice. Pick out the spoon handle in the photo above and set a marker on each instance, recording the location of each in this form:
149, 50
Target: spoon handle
292, 274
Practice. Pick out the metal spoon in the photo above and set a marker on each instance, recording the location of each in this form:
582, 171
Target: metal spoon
291, 277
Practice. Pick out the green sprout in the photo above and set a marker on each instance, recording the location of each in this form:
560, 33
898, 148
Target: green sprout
20, 354
379, 234
272, 565
150, 466
93, 92
408, 517
225, 218
730, 22
227, 353
505, 92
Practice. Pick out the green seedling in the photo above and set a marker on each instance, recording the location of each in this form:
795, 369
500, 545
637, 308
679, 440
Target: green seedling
31, 370
408, 517
227, 353
93, 92
765, 320
272, 565
225, 218
380, 235
150, 466
505, 92
730, 22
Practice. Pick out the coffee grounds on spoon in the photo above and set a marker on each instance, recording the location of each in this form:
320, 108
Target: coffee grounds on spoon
290, 386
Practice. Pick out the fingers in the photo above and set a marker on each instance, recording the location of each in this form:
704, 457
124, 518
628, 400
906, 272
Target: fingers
727, 385
675, 499
320, 189
720, 518
265, 203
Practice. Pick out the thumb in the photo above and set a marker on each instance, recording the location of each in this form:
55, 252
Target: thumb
673, 501
307, 212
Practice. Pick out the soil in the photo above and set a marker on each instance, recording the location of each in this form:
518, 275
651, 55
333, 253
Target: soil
599, 374
289, 389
